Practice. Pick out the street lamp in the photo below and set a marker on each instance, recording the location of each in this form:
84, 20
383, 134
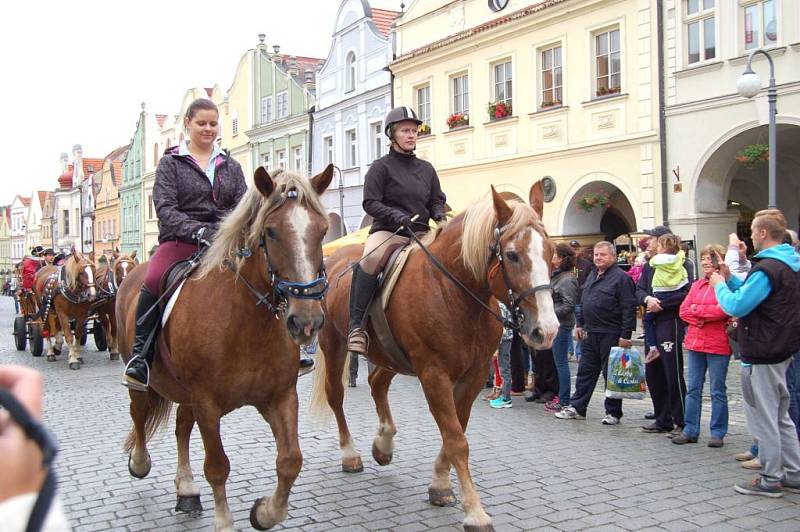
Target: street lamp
748, 85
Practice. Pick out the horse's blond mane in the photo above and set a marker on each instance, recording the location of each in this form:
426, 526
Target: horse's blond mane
72, 269
242, 227
478, 234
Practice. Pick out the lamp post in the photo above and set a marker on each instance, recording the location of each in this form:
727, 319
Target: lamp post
748, 85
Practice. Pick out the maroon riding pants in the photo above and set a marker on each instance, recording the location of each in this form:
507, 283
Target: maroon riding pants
167, 254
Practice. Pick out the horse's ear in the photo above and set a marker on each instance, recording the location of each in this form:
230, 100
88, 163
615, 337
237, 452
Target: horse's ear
321, 181
536, 198
501, 209
115, 254
263, 181
91, 257
133, 254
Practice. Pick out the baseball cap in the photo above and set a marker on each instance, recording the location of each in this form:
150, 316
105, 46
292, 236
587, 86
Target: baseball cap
658, 230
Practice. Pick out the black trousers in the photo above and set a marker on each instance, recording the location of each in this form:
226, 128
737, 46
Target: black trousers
594, 360
546, 385
665, 374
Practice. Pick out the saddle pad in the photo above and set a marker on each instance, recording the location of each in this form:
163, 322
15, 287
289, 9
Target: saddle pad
392, 274
171, 303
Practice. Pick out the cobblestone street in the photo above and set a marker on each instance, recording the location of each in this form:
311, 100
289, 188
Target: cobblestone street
534, 472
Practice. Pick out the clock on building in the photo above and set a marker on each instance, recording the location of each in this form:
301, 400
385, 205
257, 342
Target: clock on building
497, 5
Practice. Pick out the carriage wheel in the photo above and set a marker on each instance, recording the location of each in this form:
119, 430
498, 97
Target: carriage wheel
37, 340
20, 333
99, 336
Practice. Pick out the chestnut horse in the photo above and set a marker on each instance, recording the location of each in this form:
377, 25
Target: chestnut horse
109, 278
226, 347
494, 248
71, 292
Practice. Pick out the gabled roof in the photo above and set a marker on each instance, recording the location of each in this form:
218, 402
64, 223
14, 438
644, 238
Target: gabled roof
117, 169
26, 200
42, 194
118, 153
161, 118
383, 19
301, 63
96, 164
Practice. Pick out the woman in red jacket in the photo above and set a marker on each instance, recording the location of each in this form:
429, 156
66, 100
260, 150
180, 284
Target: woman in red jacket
707, 347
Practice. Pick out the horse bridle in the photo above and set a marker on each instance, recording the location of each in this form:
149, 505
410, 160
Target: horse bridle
282, 289
67, 293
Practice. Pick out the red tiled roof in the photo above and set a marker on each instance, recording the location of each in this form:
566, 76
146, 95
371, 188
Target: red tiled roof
160, 119
42, 196
303, 64
383, 19
461, 35
96, 164
117, 168
26, 200
210, 91
8, 215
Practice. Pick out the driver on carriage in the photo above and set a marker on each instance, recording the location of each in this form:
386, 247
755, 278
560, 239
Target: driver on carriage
197, 184
30, 265
397, 187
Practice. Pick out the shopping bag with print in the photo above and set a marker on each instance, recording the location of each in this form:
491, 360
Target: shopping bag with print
626, 374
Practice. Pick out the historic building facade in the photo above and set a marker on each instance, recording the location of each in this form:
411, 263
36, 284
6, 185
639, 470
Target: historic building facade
353, 97
67, 199
18, 211
237, 114
47, 220
106, 209
33, 219
130, 192
709, 125
516, 91
6, 266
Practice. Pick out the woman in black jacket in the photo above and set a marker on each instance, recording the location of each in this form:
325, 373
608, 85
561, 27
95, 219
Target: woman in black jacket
197, 184
398, 186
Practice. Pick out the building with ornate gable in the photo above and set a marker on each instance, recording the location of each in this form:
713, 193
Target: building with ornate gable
47, 220
18, 212
515, 91
6, 266
353, 97
68, 221
237, 108
106, 208
33, 220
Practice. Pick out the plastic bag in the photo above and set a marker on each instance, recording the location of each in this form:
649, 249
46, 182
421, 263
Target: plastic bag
626, 378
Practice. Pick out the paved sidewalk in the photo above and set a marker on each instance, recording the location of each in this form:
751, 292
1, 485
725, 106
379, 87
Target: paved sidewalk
534, 472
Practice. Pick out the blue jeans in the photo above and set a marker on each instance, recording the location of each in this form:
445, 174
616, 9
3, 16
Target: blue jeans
504, 361
717, 366
560, 356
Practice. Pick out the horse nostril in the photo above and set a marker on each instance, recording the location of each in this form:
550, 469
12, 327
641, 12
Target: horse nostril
292, 325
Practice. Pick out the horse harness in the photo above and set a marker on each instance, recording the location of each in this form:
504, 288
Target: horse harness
276, 299
56, 283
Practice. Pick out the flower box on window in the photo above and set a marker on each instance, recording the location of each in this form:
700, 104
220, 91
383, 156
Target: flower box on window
458, 120
424, 129
549, 104
498, 110
605, 91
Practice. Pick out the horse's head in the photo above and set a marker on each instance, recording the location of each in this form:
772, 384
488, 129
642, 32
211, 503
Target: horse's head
292, 228
81, 274
122, 264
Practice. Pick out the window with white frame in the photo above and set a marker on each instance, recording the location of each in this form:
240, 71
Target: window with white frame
460, 85
700, 31
265, 160
760, 23
377, 140
423, 100
281, 155
551, 80
350, 72
266, 109
352, 148
298, 158
282, 103
327, 150
503, 77
608, 64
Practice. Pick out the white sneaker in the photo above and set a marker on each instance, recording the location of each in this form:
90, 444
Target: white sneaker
569, 412
610, 420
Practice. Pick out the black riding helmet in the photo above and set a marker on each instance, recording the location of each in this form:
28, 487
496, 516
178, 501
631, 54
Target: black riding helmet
399, 114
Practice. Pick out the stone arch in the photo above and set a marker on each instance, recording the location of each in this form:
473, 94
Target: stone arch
574, 222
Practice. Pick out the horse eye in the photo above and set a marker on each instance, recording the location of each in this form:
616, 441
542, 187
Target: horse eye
271, 234
512, 256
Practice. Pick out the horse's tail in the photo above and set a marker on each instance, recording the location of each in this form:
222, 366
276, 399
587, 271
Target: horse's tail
157, 416
318, 407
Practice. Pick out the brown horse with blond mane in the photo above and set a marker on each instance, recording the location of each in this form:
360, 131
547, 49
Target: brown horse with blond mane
496, 249
68, 291
109, 279
224, 346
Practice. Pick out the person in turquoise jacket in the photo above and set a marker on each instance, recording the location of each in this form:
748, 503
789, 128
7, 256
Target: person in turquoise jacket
768, 335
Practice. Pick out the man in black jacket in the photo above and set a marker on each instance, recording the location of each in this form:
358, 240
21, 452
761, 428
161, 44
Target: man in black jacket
665, 372
607, 318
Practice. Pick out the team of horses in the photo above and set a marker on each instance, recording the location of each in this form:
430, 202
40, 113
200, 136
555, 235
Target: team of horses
266, 262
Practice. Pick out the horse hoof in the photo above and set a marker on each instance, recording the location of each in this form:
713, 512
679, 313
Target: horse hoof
51, 358
189, 504
140, 475
80, 359
74, 365
113, 356
441, 497
352, 465
56, 351
481, 528
381, 457
271, 520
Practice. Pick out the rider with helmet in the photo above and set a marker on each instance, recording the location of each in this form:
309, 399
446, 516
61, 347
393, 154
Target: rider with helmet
197, 184
397, 187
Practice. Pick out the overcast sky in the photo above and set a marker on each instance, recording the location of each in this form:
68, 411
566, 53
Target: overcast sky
77, 72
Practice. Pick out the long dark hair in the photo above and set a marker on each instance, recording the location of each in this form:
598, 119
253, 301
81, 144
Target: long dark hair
567, 255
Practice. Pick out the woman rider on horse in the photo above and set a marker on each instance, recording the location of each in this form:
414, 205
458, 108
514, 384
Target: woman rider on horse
197, 184
397, 187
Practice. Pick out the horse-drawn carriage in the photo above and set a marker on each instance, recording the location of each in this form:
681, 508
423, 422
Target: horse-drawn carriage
26, 326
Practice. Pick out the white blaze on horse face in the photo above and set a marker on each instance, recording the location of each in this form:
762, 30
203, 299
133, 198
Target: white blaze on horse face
540, 275
300, 222
124, 267
90, 276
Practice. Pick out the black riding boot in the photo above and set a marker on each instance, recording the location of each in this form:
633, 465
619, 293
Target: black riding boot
361, 291
137, 372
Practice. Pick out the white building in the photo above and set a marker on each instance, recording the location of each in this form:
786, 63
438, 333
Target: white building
33, 220
353, 97
67, 210
19, 216
708, 124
